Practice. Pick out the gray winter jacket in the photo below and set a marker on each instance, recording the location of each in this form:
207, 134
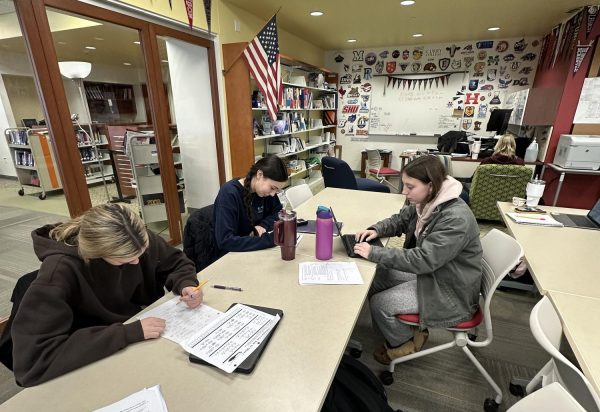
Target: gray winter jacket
446, 260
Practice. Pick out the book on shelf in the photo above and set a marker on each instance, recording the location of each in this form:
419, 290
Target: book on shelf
317, 104
534, 219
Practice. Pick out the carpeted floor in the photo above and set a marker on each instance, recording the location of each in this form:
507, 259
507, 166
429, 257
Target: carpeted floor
445, 381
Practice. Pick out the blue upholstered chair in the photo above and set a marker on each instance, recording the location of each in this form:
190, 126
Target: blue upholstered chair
337, 173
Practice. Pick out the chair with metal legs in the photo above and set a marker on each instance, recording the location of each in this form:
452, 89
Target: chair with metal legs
375, 169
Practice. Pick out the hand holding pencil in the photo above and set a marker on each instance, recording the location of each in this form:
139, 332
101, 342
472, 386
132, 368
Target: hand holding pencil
192, 296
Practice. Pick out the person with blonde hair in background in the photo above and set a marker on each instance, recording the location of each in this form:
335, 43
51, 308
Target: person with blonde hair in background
98, 270
504, 152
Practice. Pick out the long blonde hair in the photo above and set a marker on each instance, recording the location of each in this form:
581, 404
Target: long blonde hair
506, 145
107, 230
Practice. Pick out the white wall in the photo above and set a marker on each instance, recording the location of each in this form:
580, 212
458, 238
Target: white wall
190, 83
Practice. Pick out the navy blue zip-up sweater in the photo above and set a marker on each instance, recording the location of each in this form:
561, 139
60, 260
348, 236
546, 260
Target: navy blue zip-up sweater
232, 227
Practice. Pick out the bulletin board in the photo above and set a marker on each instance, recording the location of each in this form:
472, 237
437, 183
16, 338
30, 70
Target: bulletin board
415, 105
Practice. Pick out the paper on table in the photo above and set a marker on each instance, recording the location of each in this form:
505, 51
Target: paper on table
146, 400
534, 219
232, 337
329, 273
182, 323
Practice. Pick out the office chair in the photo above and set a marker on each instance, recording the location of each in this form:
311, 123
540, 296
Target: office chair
296, 195
550, 398
375, 168
199, 243
337, 173
496, 183
501, 253
547, 331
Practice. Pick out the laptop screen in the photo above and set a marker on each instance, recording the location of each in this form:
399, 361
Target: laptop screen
339, 227
594, 214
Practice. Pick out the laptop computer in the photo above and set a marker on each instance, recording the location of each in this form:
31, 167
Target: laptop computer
350, 240
590, 221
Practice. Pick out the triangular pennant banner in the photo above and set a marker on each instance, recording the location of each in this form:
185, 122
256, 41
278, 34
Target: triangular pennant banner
437, 81
391, 80
420, 82
592, 13
189, 8
580, 55
430, 82
396, 82
575, 34
207, 13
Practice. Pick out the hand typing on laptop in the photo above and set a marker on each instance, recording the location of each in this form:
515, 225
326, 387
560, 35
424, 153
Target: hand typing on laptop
362, 248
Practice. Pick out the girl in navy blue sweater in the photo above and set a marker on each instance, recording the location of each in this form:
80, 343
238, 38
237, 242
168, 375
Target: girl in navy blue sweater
246, 209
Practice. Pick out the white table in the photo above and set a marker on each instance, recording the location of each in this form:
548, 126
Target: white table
560, 259
298, 365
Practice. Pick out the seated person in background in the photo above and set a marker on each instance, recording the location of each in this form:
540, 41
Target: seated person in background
246, 209
98, 270
504, 152
437, 274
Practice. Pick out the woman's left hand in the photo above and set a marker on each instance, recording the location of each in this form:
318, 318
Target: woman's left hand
260, 230
191, 297
363, 249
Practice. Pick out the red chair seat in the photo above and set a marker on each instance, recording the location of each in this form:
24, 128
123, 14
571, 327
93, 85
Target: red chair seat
466, 325
385, 171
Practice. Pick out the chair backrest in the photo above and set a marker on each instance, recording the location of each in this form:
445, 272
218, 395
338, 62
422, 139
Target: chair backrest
446, 161
337, 173
547, 331
373, 159
501, 253
496, 183
552, 397
297, 195
199, 239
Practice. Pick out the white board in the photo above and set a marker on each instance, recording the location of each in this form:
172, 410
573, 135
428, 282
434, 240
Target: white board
588, 108
413, 109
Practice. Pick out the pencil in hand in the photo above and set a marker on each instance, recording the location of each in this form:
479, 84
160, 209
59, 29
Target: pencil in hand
197, 288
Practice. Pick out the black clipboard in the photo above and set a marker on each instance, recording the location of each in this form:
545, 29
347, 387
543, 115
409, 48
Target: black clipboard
311, 227
248, 365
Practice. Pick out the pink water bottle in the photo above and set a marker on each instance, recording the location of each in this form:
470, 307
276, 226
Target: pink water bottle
324, 233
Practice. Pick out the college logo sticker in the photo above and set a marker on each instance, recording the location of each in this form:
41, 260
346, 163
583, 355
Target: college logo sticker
371, 59
502, 46
390, 67
349, 109
430, 67
346, 79
416, 67
417, 53
469, 61
466, 124
339, 57
362, 122
496, 98
482, 113
405, 54
520, 46
456, 64
453, 49
469, 111
444, 63
473, 84
485, 44
368, 73
356, 79
471, 98
493, 60
491, 75
482, 55
366, 88
353, 92
528, 57
478, 69
403, 66
379, 66
358, 55
396, 54
357, 68
477, 125
384, 54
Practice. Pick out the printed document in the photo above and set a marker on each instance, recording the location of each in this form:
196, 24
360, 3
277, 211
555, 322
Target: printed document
146, 400
329, 273
182, 323
229, 339
534, 219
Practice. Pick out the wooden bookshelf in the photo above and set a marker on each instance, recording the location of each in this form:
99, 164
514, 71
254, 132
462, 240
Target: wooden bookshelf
108, 102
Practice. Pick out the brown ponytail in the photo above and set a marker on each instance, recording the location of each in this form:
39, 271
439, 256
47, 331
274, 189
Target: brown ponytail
272, 168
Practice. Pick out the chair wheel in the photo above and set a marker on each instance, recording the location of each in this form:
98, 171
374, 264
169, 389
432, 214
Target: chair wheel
355, 353
472, 337
517, 390
21, 192
386, 378
42, 196
490, 405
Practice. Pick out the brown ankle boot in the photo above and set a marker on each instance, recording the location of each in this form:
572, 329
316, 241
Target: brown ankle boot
419, 338
393, 353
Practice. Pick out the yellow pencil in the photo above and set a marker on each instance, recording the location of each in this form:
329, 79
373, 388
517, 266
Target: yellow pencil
197, 288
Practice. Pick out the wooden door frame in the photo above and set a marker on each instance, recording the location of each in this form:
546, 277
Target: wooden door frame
39, 43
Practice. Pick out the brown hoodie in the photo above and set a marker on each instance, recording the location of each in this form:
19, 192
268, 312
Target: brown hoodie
73, 313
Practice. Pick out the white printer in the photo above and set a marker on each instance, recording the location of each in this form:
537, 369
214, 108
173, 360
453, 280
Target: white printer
578, 152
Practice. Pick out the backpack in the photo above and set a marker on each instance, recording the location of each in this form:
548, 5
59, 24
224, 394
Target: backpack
448, 142
355, 389
6, 344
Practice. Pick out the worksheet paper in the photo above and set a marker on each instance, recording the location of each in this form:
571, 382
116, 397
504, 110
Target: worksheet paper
232, 337
329, 273
146, 400
182, 323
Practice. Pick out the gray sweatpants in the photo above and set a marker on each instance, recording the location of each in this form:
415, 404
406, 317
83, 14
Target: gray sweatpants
393, 292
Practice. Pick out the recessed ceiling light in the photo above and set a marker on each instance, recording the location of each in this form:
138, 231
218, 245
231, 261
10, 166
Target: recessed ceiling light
137, 42
418, 35
493, 28
90, 47
62, 43
127, 64
98, 38
351, 40
316, 13
407, 2
165, 61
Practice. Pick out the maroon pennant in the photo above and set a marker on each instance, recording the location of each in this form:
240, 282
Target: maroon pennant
557, 31
575, 34
189, 8
592, 13
582, 50
207, 13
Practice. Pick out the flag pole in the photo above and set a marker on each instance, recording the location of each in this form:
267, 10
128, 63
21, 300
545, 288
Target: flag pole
225, 71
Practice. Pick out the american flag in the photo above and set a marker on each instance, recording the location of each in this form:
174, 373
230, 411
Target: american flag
262, 56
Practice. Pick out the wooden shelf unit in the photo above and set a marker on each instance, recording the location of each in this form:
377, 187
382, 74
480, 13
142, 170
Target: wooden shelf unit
239, 85
109, 101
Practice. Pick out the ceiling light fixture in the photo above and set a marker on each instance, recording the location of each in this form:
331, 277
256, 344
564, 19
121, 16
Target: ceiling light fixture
62, 43
493, 28
407, 2
316, 13
127, 64
165, 61
137, 42
351, 40
98, 38
90, 47
418, 35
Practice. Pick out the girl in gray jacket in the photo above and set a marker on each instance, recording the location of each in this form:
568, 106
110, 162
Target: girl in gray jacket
437, 274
